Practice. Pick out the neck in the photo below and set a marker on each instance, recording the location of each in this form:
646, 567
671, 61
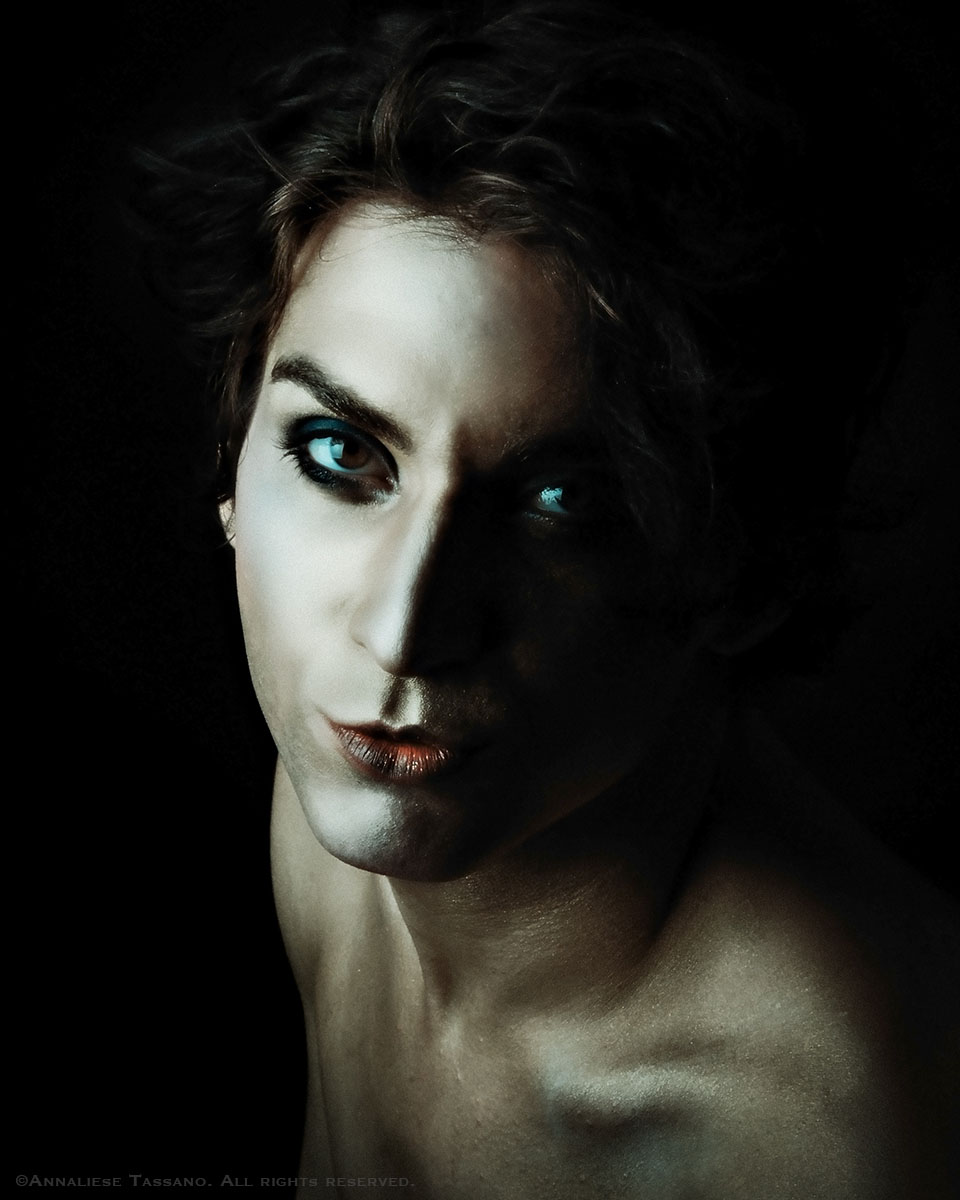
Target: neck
567, 919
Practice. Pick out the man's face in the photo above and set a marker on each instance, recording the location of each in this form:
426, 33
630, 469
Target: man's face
439, 608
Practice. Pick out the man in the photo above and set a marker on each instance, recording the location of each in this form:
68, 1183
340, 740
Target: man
528, 450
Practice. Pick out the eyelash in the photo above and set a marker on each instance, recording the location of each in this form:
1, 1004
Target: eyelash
362, 488
370, 488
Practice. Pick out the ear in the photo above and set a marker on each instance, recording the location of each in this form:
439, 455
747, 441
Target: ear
735, 632
226, 519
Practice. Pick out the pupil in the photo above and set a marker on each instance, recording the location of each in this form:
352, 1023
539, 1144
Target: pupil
347, 452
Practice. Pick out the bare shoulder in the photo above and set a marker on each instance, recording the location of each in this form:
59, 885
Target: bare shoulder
795, 1030
823, 972
825, 892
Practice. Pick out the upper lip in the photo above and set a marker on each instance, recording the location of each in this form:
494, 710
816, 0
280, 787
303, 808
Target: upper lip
405, 733
414, 735
403, 755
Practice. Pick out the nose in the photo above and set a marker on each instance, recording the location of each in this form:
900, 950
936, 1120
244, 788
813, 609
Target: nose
420, 609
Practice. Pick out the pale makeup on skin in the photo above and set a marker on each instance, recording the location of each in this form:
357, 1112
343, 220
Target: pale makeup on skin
605, 928
438, 600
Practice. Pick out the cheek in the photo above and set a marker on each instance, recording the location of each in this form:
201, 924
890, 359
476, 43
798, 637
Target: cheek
277, 588
607, 670
604, 675
299, 560
584, 621
269, 625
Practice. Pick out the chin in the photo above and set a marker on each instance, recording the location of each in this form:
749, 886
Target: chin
415, 837
403, 858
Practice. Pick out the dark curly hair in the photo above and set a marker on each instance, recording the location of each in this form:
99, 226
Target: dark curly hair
678, 206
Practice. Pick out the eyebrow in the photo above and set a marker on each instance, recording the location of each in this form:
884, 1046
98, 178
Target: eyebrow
305, 372
342, 401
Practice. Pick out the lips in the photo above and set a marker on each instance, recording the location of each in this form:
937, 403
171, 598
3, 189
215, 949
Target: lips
403, 755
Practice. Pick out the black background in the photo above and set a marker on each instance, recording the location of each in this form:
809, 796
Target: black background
160, 1032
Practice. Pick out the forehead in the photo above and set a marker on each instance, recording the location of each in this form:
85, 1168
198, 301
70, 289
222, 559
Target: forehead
427, 323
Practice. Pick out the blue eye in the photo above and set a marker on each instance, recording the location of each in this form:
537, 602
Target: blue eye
553, 500
568, 501
340, 458
340, 452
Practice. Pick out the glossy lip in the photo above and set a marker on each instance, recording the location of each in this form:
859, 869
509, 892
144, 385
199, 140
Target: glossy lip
406, 755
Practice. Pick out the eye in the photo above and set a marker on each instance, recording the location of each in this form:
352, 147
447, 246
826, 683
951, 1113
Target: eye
340, 452
340, 458
553, 501
563, 501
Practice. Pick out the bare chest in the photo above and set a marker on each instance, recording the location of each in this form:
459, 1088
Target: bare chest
482, 1121
505, 1117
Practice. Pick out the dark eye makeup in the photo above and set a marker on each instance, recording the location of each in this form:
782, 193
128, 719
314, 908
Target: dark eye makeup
350, 463
340, 458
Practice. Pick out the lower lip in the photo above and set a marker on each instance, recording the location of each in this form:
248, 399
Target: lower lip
398, 761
